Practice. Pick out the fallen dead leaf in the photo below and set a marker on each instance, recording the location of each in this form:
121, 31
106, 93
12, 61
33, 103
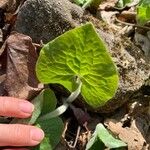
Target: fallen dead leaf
2, 70
130, 135
127, 16
3, 3
2, 78
107, 16
107, 4
21, 79
8, 5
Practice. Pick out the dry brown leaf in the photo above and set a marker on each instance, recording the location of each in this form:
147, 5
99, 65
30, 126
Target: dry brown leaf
8, 5
108, 3
2, 69
21, 79
127, 16
3, 3
130, 135
108, 16
11, 8
2, 78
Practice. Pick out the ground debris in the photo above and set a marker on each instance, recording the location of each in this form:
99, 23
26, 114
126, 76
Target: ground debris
131, 126
132, 137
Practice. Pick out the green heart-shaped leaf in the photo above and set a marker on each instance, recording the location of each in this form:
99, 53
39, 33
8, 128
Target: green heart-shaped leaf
53, 129
79, 2
143, 12
49, 101
79, 52
123, 3
102, 137
107, 138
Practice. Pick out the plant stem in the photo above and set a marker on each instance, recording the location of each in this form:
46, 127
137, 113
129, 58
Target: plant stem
134, 25
61, 109
87, 4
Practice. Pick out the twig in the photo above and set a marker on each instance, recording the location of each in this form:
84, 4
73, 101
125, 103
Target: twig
85, 126
76, 139
37, 45
131, 24
65, 128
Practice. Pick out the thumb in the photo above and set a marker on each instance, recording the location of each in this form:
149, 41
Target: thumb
20, 135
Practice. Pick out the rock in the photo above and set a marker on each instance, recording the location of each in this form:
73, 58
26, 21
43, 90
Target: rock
46, 19
144, 42
134, 70
133, 66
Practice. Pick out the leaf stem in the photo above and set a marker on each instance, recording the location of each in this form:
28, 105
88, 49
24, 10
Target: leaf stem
87, 4
61, 109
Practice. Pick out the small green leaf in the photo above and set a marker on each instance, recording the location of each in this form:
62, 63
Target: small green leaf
79, 2
80, 52
92, 4
53, 129
50, 101
107, 138
104, 136
94, 143
143, 12
43, 103
123, 3
144, 2
88, 3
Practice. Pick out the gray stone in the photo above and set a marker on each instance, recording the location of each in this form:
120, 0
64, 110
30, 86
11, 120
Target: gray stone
46, 19
133, 68
132, 65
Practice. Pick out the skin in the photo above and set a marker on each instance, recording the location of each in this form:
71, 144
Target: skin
17, 134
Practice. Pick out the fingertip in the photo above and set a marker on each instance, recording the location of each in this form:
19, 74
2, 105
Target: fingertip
13, 107
20, 135
37, 135
26, 107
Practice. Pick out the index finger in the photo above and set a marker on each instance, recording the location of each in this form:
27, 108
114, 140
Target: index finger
14, 107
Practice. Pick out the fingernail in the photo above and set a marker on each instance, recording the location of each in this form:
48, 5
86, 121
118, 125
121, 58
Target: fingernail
37, 136
26, 107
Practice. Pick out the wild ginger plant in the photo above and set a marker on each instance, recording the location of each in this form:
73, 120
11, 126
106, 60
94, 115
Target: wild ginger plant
79, 61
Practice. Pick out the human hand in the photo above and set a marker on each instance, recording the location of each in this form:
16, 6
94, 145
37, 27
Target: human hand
17, 134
